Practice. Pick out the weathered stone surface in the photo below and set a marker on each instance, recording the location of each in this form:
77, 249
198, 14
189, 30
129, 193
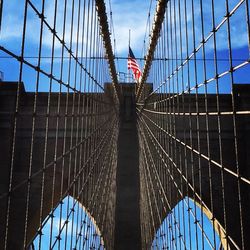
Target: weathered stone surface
127, 234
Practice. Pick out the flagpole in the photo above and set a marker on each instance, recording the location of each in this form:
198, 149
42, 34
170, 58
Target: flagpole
129, 33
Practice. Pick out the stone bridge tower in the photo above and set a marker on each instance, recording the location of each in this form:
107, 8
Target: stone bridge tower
127, 180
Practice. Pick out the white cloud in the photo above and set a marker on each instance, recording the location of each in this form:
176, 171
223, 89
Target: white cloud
238, 23
12, 25
130, 15
11, 20
133, 15
13, 29
126, 15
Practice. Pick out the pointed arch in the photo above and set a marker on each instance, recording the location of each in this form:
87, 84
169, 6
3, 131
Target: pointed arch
68, 226
190, 226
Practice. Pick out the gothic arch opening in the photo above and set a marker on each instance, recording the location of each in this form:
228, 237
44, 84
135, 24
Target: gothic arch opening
69, 226
189, 226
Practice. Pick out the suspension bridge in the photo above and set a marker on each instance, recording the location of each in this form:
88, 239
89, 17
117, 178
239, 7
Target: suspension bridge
92, 162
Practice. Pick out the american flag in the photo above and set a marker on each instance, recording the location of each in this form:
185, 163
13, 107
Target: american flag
132, 64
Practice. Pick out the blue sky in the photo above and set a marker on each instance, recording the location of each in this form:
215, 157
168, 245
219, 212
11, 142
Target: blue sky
191, 233
137, 22
79, 223
127, 15
11, 36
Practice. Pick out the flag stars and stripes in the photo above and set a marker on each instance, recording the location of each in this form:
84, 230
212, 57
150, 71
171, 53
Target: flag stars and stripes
133, 65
